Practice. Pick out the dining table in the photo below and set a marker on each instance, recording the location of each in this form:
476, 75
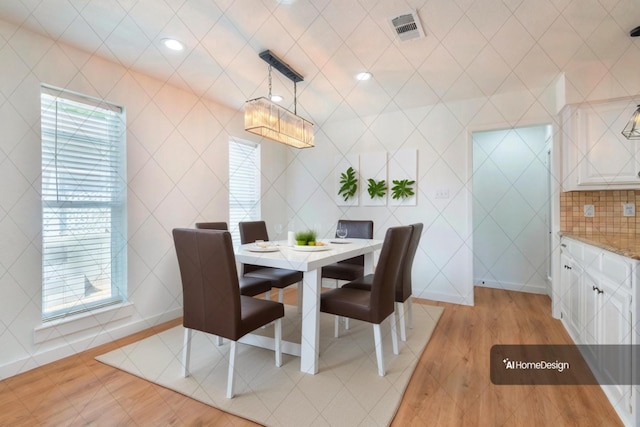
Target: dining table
309, 260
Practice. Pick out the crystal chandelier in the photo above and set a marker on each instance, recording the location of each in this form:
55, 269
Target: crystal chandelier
265, 118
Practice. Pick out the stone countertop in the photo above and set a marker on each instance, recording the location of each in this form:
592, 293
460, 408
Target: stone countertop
627, 245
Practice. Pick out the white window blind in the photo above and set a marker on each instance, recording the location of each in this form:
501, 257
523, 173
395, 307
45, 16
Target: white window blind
244, 184
83, 203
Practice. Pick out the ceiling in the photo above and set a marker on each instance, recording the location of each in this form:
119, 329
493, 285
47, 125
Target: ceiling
472, 48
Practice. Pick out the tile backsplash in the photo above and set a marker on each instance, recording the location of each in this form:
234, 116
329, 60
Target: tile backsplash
608, 207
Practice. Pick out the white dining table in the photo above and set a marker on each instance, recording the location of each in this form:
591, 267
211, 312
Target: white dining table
310, 262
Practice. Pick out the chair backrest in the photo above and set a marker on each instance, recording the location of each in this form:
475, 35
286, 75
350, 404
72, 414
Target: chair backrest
356, 229
211, 293
250, 231
212, 225
403, 290
389, 271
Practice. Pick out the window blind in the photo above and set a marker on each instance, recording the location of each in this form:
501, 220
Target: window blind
244, 185
83, 203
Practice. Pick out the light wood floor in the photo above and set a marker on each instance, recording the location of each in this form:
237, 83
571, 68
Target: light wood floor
450, 386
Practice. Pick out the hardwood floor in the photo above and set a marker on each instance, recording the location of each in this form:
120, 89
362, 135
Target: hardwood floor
450, 386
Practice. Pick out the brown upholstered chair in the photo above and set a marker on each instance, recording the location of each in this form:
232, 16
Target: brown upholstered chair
249, 286
403, 287
352, 268
376, 305
211, 296
250, 231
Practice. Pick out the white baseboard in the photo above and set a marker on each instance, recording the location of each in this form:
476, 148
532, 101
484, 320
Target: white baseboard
441, 296
519, 287
69, 348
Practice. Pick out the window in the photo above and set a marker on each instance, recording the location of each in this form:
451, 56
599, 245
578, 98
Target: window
83, 203
244, 184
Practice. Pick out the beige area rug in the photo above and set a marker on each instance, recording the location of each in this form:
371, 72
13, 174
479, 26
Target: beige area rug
347, 390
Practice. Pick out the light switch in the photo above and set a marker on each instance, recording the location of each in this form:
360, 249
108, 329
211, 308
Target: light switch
629, 209
589, 211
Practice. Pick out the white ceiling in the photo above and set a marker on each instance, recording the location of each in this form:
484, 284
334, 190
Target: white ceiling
473, 48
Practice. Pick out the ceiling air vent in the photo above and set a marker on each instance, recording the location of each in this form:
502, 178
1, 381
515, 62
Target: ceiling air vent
407, 26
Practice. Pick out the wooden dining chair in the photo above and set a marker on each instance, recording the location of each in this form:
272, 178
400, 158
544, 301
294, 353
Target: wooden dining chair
376, 305
211, 296
280, 278
249, 286
352, 268
404, 289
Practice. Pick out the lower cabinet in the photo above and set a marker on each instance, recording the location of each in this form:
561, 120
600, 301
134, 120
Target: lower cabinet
598, 310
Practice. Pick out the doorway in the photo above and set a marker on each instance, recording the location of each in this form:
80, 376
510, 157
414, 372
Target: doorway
511, 209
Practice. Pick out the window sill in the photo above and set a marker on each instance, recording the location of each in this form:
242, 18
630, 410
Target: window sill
82, 321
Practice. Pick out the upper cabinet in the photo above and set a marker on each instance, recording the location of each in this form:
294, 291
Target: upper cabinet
596, 156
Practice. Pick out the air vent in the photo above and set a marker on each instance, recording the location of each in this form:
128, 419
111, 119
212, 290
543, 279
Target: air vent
407, 26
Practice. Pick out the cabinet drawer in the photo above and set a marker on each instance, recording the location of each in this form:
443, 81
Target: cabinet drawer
573, 249
617, 269
591, 257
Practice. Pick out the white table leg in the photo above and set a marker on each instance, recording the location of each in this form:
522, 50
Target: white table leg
310, 321
368, 263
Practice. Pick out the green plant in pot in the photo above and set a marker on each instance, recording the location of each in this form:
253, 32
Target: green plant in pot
376, 188
348, 184
306, 238
402, 188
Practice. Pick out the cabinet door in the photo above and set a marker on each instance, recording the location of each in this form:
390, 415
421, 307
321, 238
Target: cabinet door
591, 319
576, 302
615, 329
609, 158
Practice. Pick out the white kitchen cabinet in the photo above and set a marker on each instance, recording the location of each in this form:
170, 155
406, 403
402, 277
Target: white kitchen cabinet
596, 156
598, 294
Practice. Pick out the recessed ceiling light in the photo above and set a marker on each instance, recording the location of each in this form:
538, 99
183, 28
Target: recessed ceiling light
173, 44
276, 98
363, 76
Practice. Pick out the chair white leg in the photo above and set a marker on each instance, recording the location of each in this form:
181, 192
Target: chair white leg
218, 340
394, 334
186, 352
400, 311
346, 323
336, 327
232, 362
299, 297
410, 313
280, 295
278, 341
267, 295
378, 343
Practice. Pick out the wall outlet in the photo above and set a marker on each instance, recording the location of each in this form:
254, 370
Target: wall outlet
442, 194
589, 211
629, 209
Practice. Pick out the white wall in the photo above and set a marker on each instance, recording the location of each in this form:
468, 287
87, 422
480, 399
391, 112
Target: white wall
443, 268
511, 209
177, 151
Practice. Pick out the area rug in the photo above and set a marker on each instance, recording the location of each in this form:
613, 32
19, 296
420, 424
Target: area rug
347, 390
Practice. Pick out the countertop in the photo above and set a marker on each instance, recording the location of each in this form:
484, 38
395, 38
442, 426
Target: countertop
627, 245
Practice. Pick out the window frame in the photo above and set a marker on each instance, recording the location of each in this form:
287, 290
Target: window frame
100, 195
244, 213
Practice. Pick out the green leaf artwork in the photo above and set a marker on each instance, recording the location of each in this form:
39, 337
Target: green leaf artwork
402, 189
348, 184
376, 188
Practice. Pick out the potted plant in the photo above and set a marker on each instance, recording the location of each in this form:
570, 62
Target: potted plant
306, 238
348, 184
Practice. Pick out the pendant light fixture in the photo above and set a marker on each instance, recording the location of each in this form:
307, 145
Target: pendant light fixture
265, 118
632, 129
